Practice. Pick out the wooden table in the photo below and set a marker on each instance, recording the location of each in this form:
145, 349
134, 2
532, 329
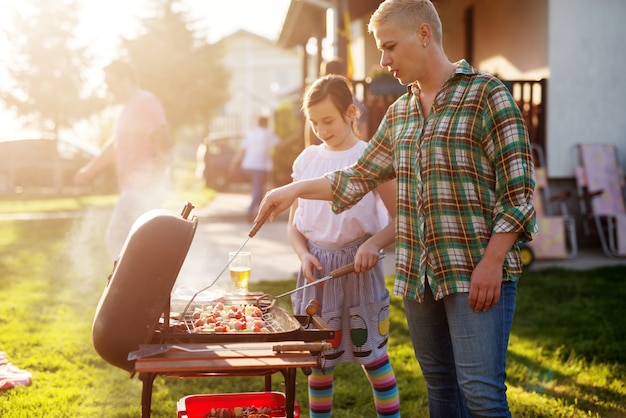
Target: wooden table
228, 359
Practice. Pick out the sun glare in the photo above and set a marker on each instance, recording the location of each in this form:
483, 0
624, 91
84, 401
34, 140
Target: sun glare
103, 23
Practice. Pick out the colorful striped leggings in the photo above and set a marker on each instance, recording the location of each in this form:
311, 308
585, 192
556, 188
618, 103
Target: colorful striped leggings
381, 377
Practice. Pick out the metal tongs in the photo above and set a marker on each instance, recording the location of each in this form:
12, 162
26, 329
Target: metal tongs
268, 300
255, 228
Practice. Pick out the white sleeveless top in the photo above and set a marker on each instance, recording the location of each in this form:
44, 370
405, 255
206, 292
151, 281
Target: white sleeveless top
315, 219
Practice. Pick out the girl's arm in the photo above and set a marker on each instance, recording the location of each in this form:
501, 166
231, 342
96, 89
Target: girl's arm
299, 243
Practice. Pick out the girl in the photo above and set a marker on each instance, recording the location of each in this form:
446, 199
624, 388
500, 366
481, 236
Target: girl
357, 305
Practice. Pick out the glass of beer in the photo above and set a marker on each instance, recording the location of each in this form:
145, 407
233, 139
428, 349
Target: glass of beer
240, 271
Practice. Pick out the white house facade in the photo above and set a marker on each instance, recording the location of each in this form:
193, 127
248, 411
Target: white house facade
261, 72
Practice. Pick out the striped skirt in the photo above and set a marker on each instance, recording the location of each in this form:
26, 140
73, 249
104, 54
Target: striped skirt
355, 305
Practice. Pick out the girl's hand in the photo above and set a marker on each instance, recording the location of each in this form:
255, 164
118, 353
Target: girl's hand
310, 264
367, 256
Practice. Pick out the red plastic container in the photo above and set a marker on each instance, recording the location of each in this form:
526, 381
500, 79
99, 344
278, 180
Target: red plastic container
199, 406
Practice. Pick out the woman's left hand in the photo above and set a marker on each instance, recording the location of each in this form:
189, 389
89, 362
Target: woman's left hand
485, 283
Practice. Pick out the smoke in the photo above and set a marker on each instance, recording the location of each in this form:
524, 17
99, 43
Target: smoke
200, 268
84, 245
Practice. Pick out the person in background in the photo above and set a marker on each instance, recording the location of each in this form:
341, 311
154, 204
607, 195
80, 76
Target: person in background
356, 305
458, 148
255, 156
337, 66
139, 148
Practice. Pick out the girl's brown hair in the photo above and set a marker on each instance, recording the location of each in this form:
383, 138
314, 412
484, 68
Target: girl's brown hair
335, 87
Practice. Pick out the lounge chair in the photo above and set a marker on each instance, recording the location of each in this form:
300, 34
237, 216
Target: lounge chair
601, 190
557, 230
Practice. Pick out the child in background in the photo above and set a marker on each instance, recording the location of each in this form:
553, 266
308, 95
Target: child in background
356, 305
255, 156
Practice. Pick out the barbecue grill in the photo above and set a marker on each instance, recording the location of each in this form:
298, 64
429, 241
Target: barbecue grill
133, 323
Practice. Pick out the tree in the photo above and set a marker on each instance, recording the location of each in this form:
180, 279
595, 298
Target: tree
181, 69
47, 71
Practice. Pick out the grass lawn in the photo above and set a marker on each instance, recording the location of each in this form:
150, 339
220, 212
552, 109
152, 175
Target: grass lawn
187, 186
567, 354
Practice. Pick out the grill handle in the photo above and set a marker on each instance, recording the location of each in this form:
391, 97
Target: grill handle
342, 271
313, 346
257, 225
187, 210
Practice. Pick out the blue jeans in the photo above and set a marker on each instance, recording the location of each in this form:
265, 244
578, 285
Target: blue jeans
259, 181
462, 353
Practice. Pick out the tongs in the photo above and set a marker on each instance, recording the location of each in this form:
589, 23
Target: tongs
267, 300
255, 228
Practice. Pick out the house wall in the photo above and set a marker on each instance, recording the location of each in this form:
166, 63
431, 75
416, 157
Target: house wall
261, 74
509, 36
587, 88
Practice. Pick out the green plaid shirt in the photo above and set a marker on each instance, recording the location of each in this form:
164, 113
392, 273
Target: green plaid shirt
463, 174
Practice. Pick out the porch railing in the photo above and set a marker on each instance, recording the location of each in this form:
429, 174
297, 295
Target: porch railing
530, 96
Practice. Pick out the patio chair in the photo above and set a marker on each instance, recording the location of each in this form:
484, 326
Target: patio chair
557, 230
601, 190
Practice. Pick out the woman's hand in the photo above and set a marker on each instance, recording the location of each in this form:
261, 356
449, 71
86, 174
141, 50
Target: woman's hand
276, 201
486, 279
279, 199
485, 284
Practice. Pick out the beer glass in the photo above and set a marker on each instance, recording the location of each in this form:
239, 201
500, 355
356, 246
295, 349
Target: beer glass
240, 271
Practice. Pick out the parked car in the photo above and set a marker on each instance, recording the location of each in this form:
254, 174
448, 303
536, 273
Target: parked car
48, 165
214, 157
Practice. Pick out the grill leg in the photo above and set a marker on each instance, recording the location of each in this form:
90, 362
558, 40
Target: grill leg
146, 393
290, 390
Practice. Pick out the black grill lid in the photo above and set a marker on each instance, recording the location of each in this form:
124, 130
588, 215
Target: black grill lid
139, 288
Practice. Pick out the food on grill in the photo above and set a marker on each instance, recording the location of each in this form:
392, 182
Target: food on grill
241, 412
228, 318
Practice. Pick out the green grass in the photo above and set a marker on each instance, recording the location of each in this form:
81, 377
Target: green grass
187, 187
13, 204
567, 354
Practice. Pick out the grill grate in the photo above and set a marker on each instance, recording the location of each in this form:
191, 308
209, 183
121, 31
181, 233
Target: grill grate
274, 323
279, 324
